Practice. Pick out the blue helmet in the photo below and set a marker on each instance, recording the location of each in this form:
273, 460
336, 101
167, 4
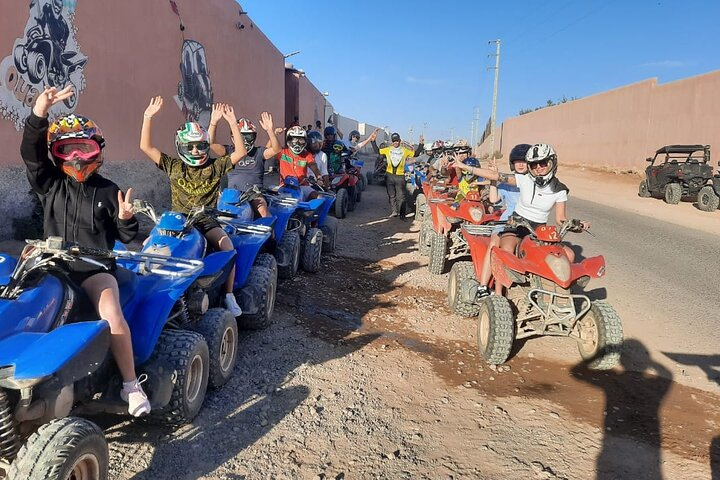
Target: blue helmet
470, 162
290, 181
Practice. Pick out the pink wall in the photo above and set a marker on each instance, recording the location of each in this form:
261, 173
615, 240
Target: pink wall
621, 127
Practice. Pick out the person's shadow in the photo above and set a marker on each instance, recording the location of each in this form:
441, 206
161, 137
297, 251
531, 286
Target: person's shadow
632, 432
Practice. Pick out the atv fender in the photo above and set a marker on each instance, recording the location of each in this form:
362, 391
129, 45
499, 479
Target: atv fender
500, 260
313, 204
7, 265
593, 267
68, 353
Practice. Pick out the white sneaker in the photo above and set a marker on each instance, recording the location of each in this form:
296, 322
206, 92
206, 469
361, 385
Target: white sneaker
231, 305
133, 393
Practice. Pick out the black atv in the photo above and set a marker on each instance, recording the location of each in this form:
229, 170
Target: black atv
677, 172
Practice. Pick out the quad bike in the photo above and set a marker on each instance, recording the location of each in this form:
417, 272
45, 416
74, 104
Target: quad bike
415, 176
539, 300
255, 271
379, 173
303, 230
346, 184
55, 361
445, 218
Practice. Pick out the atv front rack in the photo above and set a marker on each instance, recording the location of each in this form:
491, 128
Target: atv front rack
481, 230
557, 311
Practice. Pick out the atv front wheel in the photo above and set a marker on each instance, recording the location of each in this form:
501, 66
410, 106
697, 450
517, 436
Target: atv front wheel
459, 273
67, 448
424, 237
495, 329
312, 250
643, 190
290, 248
352, 199
341, 203
600, 336
673, 193
329, 229
187, 353
220, 330
420, 207
438, 253
265, 280
707, 200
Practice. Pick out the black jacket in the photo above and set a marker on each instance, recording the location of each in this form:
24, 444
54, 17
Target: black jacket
82, 213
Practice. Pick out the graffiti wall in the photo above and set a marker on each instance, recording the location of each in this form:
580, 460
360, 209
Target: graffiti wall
46, 55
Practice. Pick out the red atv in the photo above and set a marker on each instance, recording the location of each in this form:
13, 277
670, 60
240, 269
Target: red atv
444, 219
539, 301
346, 185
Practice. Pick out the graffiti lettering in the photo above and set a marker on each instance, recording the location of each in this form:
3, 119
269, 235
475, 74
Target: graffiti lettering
24, 92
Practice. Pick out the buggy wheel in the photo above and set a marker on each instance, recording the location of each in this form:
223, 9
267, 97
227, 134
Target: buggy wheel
600, 336
643, 190
290, 248
459, 273
673, 193
341, 203
495, 329
312, 250
369, 177
67, 448
220, 330
707, 199
187, 352
265, 279
438, 253
329, 229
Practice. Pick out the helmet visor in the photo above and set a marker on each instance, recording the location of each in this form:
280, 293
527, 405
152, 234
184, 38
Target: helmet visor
75, 148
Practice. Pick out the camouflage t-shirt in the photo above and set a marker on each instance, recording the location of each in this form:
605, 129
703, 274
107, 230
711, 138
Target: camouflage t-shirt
194, 186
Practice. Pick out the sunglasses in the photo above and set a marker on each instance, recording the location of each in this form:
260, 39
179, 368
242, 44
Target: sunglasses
201, 146
541, 163
81, 148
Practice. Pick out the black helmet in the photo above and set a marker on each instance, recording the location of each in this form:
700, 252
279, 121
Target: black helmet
330, 130
315, 141
354, 133
470, 162
517, 154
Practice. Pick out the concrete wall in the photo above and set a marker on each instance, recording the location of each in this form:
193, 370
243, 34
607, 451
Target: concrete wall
621, 127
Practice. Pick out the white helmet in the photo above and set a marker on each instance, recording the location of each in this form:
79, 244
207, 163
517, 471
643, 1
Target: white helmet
541, 152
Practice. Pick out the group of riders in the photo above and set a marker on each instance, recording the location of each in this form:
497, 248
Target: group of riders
62, 159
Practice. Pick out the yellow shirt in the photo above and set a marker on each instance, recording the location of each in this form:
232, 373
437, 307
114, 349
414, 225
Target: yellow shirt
396, 159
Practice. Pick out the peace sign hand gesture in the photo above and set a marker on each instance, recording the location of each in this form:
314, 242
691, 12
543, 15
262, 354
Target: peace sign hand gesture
125, 206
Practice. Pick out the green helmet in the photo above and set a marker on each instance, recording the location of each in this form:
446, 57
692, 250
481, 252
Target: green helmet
190, 138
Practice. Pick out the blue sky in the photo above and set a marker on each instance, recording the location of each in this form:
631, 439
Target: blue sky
415, 63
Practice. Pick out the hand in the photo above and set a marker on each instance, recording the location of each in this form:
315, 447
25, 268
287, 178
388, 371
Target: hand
585, 225
228, 113
125, 205
422, 139
49, 97
216, 114
154, 106
493, 165
279, 130
266, 122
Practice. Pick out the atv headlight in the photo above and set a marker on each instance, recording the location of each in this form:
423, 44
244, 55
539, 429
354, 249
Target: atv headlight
336, 180
560, 266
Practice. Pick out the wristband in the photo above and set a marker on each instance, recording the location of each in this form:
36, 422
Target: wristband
147, 116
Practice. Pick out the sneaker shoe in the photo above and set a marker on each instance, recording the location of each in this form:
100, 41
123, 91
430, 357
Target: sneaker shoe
231, 305
393, 214
133, 393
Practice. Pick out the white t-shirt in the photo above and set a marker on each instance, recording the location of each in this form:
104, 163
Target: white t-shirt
535, 203
321, 161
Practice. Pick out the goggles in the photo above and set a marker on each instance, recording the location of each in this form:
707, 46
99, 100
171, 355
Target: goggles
541, 164
337, 148
82, 149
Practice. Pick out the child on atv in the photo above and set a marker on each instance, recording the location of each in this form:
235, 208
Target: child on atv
295, 160
87, 209
195, 177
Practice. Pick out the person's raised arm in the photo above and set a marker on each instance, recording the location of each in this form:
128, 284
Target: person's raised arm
240, 150
278, 131
215, 117
493, 193
152, 152
485, 173
371, 138
266, 123
420, 147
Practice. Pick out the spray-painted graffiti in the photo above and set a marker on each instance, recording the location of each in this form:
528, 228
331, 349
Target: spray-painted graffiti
195, 95
47, 55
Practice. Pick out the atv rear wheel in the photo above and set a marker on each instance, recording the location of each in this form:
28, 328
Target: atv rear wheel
424, 237
187, 352
369, 177
459, 273
290, 246
438, 253
600, 336
495, 329
707, 199
312, 250
265, 279
643, 190
67, 448
673, 193
341, 203
361, 182
220, 330
329, 229
352, 199
358, 193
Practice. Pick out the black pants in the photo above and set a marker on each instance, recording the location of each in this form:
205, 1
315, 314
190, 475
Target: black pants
395, 185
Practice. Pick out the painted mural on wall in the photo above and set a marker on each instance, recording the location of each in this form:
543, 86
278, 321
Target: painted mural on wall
47, 55
195, 96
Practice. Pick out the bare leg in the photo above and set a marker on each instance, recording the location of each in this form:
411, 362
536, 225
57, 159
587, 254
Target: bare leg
219, 240
509, 243
486, 272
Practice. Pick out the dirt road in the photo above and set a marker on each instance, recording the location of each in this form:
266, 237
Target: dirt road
365, 373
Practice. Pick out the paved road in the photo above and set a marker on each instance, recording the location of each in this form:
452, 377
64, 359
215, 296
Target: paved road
661, 278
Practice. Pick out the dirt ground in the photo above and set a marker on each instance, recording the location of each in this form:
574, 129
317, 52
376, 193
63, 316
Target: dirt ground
365, 373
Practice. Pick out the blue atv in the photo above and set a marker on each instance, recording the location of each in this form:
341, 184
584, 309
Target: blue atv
302, 229
415, 176
256, 271
55, 358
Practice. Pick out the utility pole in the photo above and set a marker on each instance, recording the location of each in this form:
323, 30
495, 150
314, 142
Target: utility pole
474, 136
410, 130
495, 89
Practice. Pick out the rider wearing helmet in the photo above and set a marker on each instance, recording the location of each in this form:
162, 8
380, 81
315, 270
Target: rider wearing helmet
330, 134
249, 172
335, 159
86, 209
295, 160
195, 177
315, 143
